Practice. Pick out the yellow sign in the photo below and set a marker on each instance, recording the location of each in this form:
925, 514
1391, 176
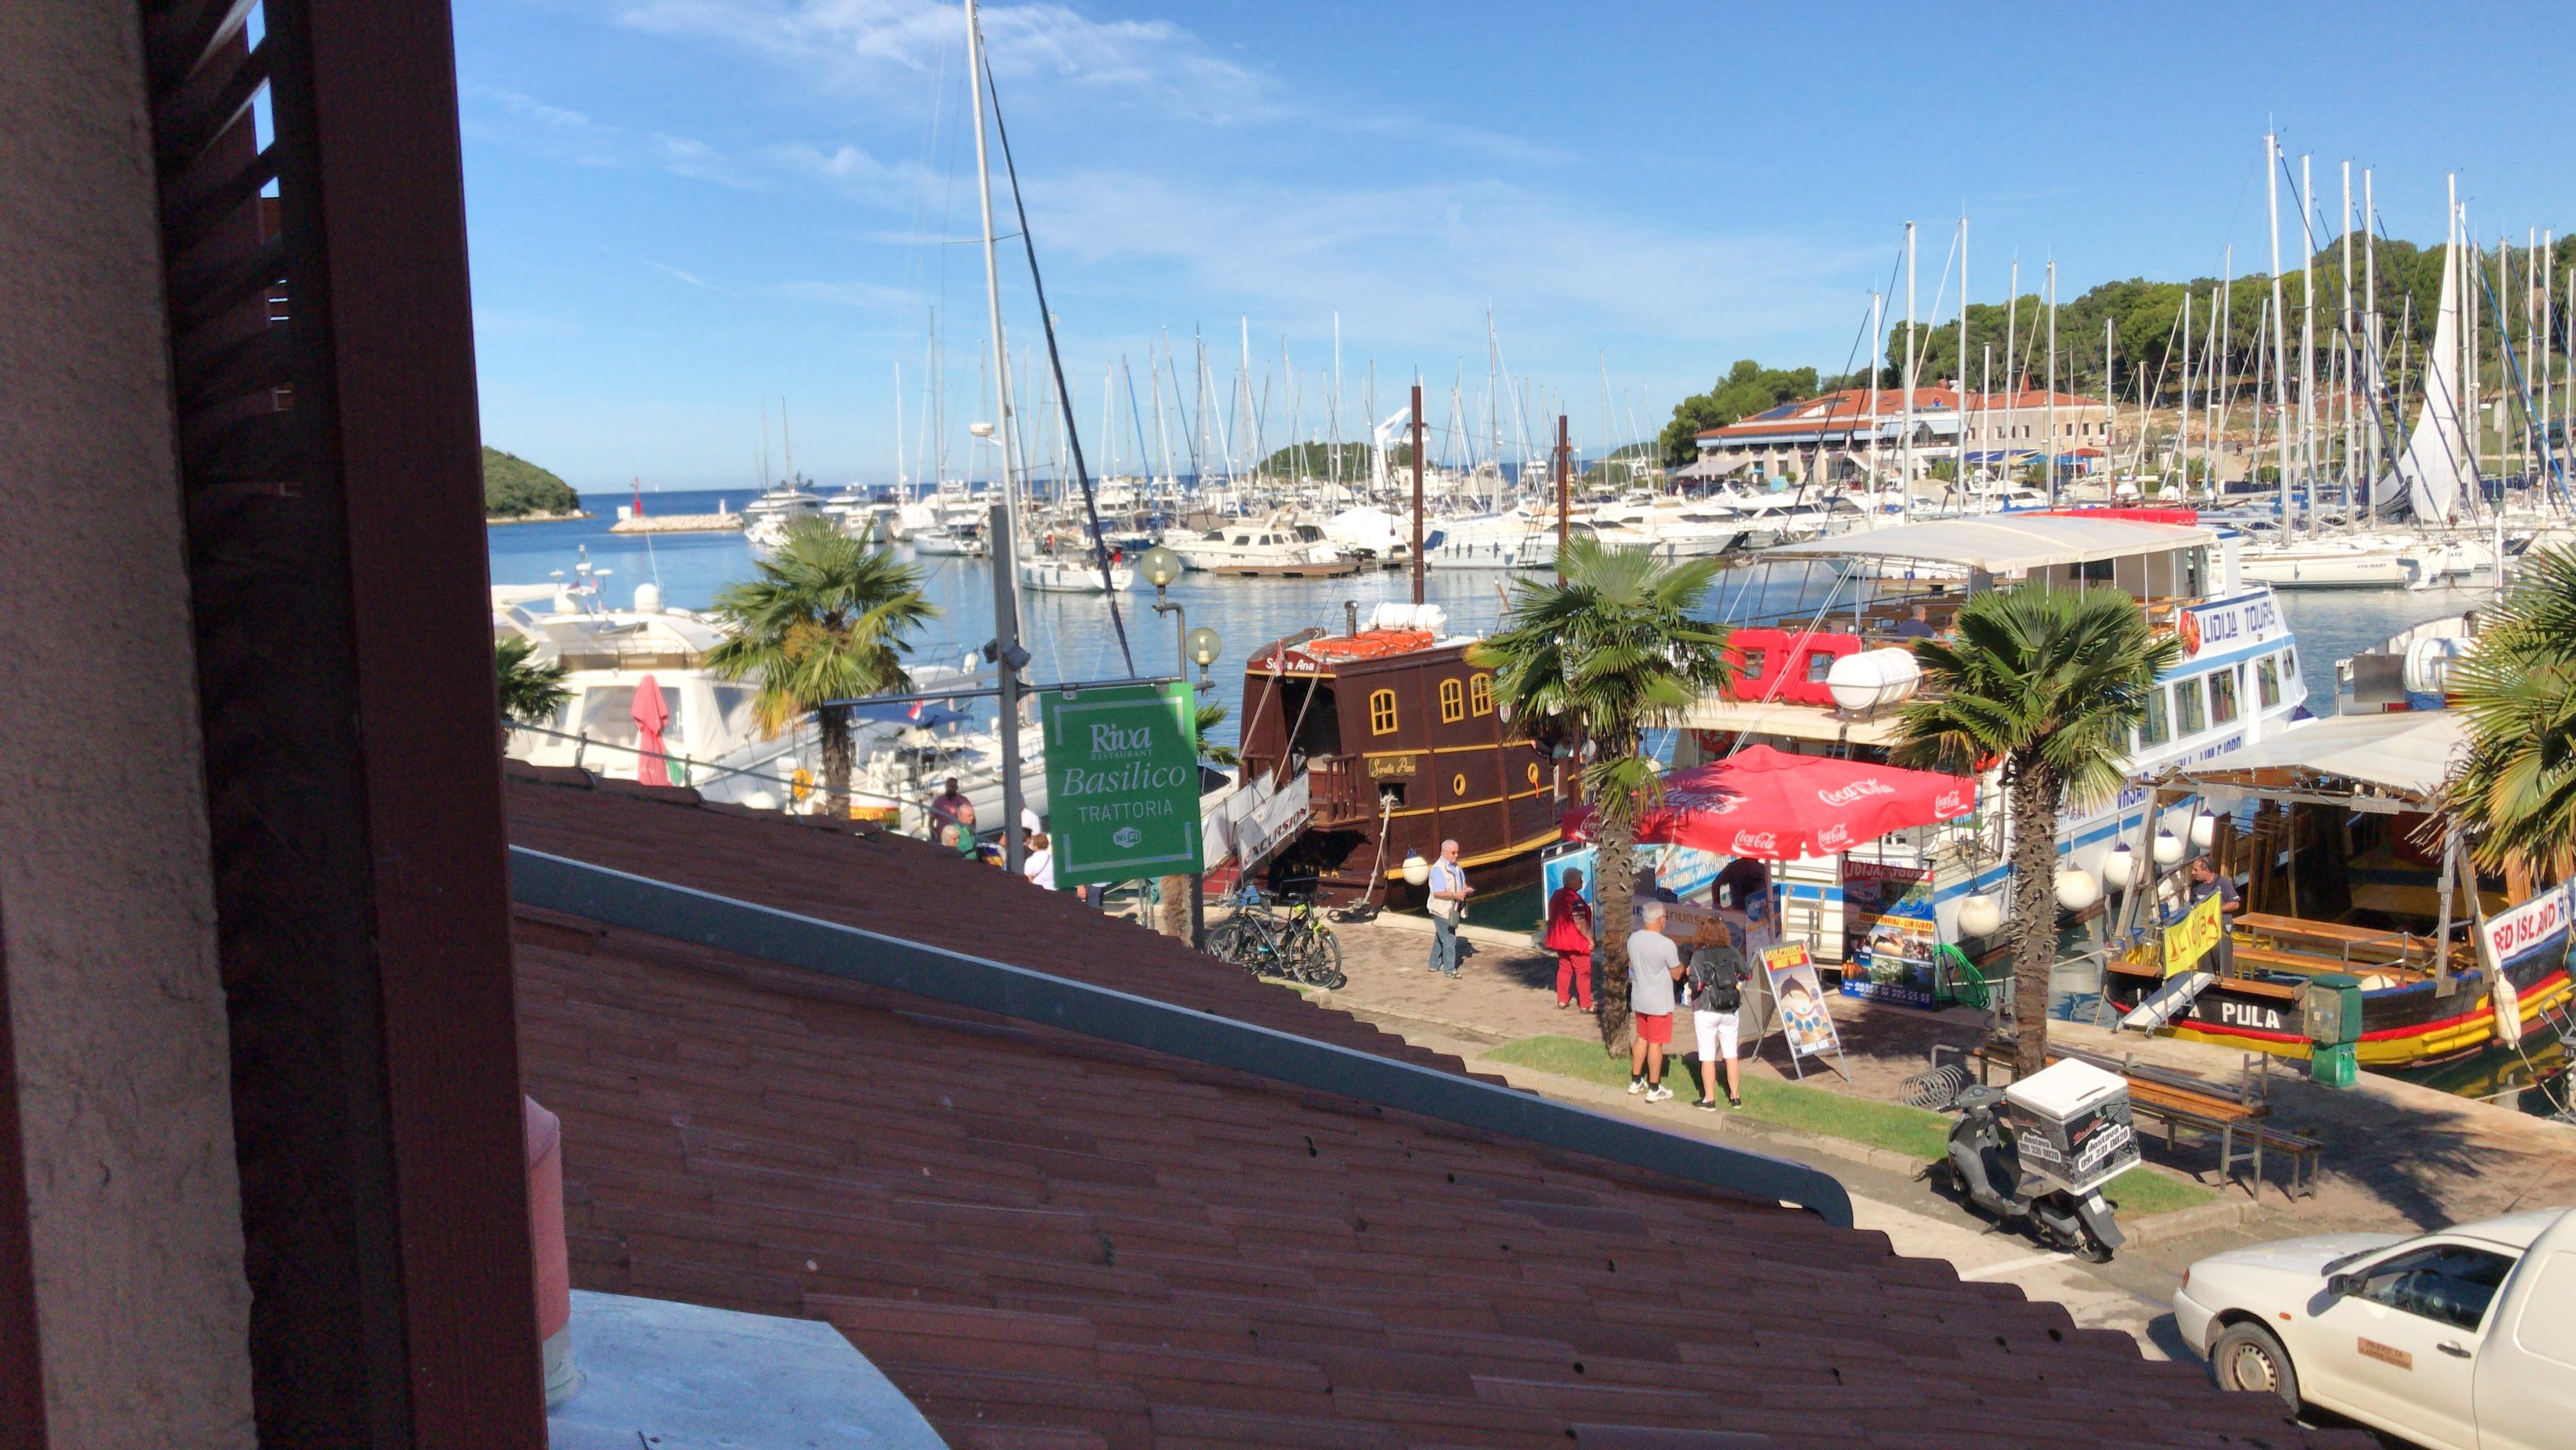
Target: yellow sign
1382, 767
2193, 937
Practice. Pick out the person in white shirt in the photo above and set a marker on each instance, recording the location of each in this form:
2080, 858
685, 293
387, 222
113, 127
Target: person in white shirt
1040, 865
1448, 906
1654, 964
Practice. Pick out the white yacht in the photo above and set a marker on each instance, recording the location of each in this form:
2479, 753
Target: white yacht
960, 540
765, 519
1281, 544
1073, 574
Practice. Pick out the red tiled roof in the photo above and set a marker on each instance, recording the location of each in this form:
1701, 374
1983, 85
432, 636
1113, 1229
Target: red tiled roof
1850, 408
1048, 1241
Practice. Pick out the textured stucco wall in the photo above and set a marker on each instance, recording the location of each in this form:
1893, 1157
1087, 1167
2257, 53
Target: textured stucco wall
104, 886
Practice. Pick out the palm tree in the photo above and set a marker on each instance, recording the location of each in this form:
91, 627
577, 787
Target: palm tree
2514, 794
1172, 893
530, 693
1599, 658
2050, 682
823, 619
1211, 714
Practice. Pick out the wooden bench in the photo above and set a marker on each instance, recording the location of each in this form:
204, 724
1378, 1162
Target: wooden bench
2377, 948
2178, 1100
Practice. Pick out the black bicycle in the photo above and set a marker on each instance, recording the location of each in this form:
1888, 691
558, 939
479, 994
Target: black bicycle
1290, 944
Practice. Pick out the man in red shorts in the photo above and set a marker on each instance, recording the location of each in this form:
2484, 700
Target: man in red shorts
1654, 965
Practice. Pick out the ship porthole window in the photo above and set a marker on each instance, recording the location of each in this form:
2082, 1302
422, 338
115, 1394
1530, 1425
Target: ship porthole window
1382, 712
1458, 784
1453, 702
1480, 693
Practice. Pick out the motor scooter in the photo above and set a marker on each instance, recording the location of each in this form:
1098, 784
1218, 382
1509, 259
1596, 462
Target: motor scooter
2035, 1156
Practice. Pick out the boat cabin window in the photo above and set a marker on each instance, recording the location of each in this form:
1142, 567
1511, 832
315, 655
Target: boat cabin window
1382, 712
608, 715
1453, 701
2188, 716
1480, 695
2222, 696
734, 707
1819, 665
2155, 729
2267, 682
2290, 666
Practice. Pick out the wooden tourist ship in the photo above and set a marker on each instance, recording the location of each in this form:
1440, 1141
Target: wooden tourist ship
1402, 748
2343, 875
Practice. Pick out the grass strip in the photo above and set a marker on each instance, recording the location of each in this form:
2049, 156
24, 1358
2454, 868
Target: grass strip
1893, 1126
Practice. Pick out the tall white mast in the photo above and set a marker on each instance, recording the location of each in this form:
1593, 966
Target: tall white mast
1905, 457
2052, 382
1959, 384
2280, 335
1878, 352
1006, 571
899, 479
1986, 406
2182, 415
2306, 333
2378, 368
2351, 514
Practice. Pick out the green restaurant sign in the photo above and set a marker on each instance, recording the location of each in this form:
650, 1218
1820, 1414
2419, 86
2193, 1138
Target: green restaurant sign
1122, 782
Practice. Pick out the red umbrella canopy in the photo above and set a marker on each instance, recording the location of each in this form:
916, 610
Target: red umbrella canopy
1773, 806
650, 716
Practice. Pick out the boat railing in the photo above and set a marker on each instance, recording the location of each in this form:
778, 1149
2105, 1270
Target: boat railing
694, 774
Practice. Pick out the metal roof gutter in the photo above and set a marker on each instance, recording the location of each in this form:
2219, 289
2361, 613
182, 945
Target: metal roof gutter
681, 913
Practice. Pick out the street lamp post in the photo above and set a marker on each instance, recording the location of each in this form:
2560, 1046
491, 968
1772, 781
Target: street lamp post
1161, 566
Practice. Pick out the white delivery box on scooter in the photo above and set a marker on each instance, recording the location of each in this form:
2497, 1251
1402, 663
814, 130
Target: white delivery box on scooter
2071, 1125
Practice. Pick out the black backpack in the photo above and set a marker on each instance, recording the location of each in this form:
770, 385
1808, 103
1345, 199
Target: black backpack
1715, 987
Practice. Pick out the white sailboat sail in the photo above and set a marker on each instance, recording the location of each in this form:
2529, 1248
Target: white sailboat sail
2436, 463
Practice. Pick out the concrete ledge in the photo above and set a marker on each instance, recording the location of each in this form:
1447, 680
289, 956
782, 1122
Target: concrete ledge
683, 1377
2182, 1223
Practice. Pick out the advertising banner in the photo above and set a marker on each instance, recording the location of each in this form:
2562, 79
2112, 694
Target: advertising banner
1889, 935
1122, 782
1803, 1018
2192, 936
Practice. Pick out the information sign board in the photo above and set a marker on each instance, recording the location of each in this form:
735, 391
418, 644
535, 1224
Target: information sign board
1122, 782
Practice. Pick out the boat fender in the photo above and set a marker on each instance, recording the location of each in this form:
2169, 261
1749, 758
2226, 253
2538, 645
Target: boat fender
2507, 1004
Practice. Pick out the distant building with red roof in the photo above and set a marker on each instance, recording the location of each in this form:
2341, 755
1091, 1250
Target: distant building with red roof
1833, 437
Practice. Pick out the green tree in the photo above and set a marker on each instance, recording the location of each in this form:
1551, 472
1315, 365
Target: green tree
2513, 795
1747, 388
531, 693
513, 488
2049, 681
1211, 714
824, 618
1613, 651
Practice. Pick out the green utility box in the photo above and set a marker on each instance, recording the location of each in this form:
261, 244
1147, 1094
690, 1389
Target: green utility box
2334, 1028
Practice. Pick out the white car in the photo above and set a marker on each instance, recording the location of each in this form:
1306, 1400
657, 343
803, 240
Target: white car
2463, 1339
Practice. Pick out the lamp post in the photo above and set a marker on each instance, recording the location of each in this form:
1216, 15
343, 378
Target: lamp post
1160, 567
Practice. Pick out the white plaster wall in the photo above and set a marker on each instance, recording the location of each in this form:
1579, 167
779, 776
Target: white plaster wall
105, 893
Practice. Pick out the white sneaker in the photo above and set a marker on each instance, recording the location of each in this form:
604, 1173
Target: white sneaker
1659, 1094
1636, 1085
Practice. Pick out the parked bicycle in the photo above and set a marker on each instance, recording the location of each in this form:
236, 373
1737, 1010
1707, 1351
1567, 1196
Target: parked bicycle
1289, 942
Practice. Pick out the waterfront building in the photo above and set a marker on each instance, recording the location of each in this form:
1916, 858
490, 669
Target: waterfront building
1833, 437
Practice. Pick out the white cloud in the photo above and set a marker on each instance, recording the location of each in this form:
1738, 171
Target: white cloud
853, 45
511, 118
873, 296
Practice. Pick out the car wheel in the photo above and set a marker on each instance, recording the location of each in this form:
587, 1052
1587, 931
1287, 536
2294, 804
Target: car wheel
2248, 1357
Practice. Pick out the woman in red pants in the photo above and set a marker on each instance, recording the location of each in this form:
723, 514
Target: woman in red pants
1569, 935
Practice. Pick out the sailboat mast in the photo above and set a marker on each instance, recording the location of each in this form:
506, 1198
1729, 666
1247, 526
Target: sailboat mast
898, 424
2350, 512
1959, 384
2182, 415
2378, 364
2052, 383
2307, 340
2280, 333
1006, 572
1905, 454
1878, 352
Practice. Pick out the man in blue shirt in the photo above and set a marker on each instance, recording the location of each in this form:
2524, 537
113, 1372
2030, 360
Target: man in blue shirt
1448, 906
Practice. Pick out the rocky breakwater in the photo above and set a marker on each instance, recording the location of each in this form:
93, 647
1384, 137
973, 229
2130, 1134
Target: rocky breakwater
717, 523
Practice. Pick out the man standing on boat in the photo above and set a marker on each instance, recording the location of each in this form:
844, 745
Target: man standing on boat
2208, 881
1448, 906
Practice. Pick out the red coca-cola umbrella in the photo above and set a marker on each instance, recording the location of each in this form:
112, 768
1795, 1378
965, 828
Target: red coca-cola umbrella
650, 716
1773, 806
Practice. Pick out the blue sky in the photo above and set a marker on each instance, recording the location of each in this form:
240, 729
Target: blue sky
680, 207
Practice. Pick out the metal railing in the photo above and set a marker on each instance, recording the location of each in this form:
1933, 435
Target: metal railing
769, 934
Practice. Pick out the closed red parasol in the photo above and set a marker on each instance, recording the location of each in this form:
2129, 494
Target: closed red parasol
650, 716
1773, 806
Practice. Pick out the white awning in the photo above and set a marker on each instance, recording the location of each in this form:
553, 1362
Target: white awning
1708, 466
2406, 754
2005, 543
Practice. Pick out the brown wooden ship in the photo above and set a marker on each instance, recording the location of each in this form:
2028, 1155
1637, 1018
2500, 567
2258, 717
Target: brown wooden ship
1403, 748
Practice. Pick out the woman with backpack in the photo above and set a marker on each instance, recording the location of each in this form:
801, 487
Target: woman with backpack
1716, 992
